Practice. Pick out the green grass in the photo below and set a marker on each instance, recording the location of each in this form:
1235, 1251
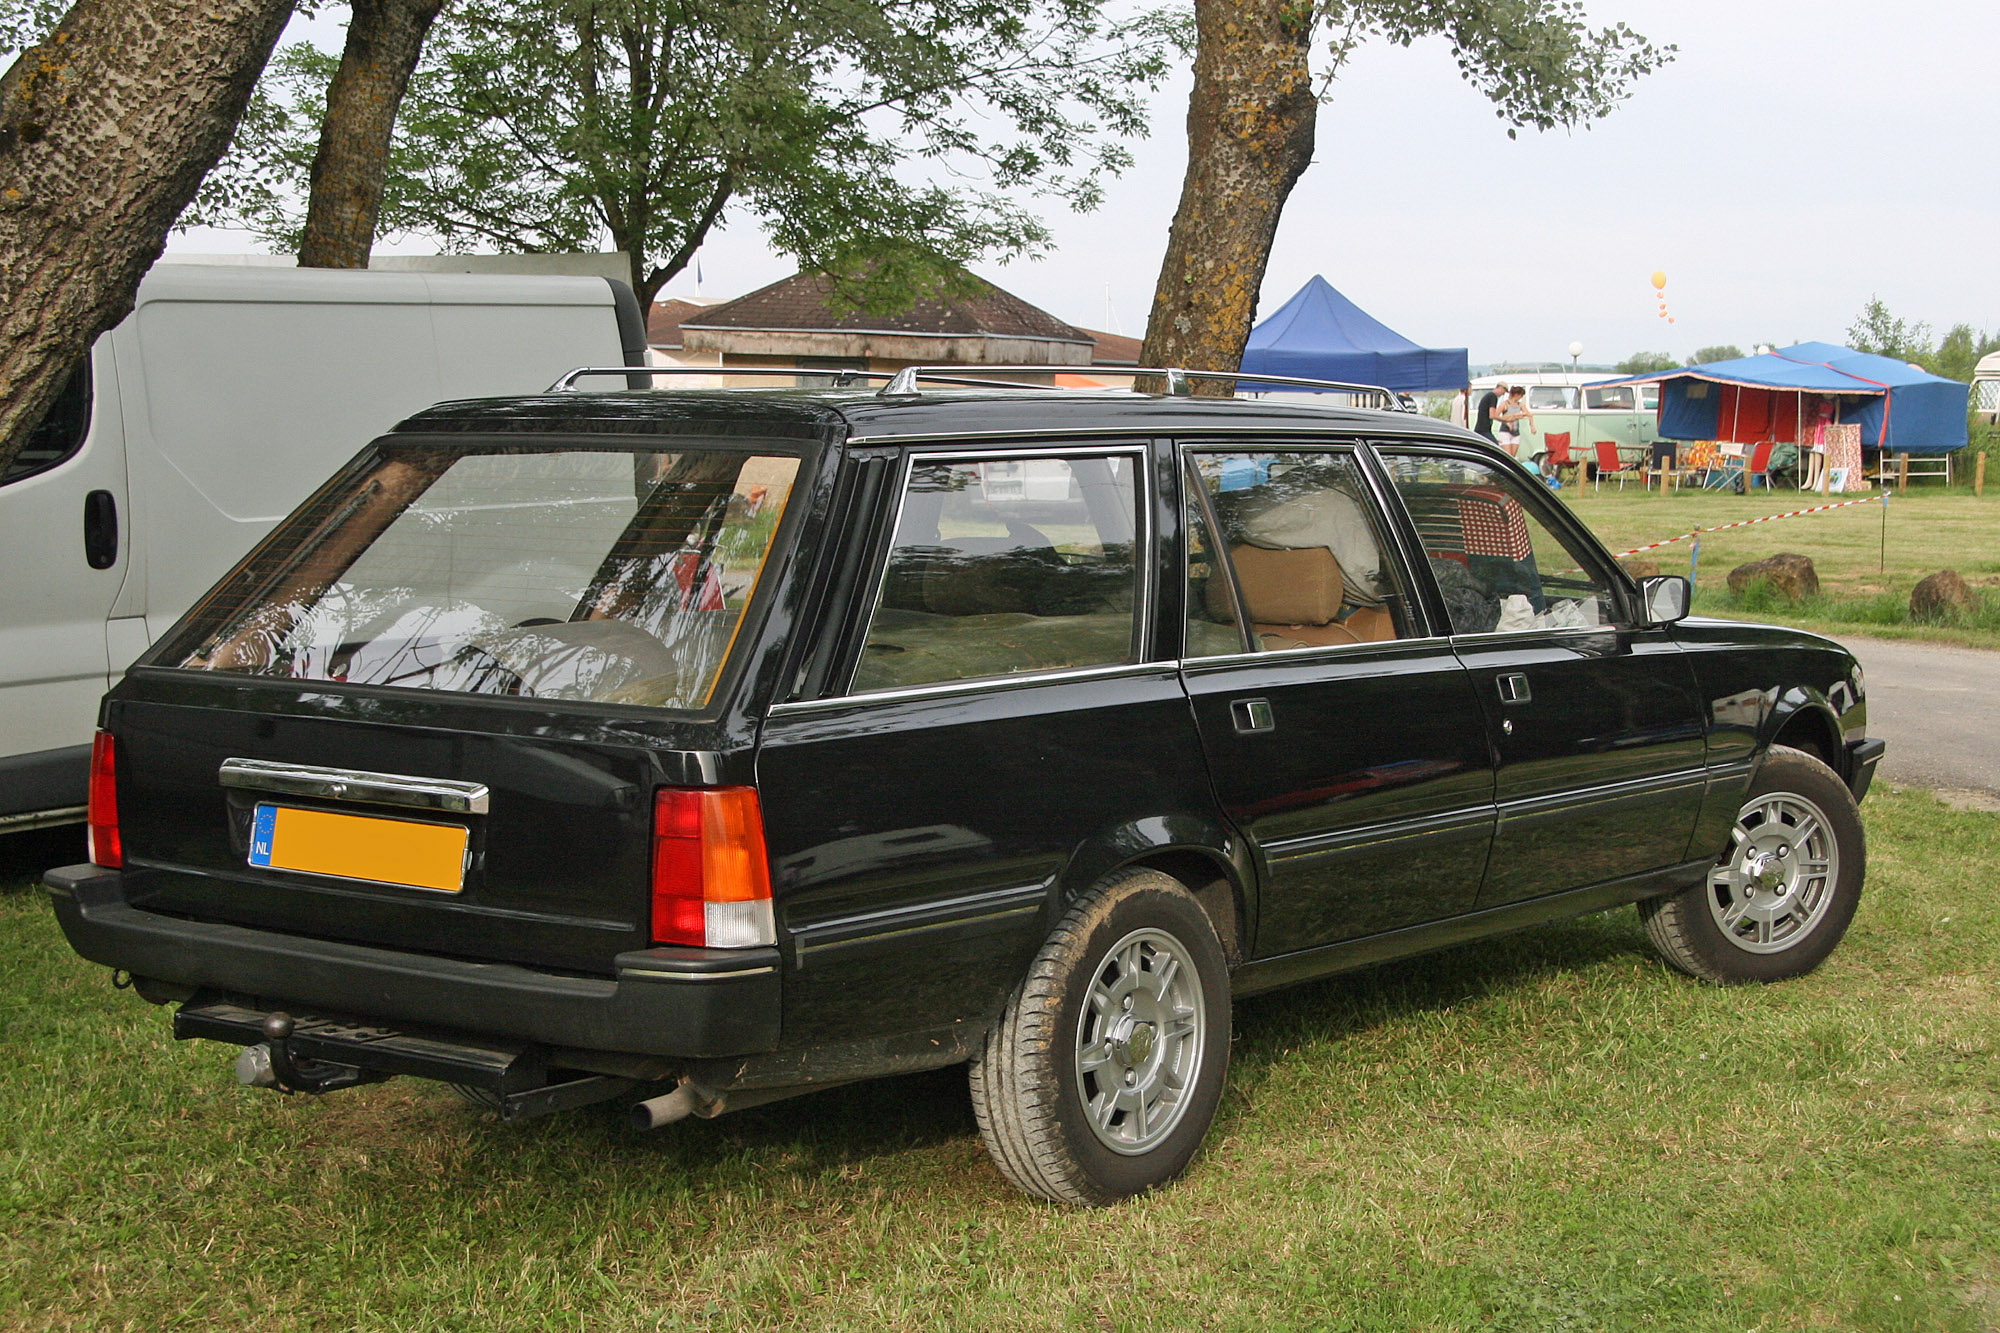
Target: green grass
1549, 1131
1866, 568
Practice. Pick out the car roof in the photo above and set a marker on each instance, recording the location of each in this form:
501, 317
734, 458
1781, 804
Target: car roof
866, 416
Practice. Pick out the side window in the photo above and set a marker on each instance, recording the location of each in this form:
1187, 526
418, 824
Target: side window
61, 433
1499, 567
1311, 567
1006, 565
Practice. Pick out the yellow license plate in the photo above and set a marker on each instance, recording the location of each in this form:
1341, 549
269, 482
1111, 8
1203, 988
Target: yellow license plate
385, 851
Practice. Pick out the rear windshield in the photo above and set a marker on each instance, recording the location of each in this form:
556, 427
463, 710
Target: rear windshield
565, 572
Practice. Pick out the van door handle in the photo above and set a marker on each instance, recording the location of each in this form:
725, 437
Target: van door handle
1251, 714
100, 529
1514, 688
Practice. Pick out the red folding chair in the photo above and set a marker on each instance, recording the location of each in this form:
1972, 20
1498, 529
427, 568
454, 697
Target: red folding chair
1758, 465
1559, 455
1610, 464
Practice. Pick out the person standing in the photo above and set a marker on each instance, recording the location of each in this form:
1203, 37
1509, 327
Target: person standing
1489, 401
1461, 408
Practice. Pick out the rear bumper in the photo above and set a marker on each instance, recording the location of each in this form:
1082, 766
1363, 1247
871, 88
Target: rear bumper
1862, 756
688, 1003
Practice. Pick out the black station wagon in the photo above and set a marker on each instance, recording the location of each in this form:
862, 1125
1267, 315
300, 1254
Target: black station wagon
701, 748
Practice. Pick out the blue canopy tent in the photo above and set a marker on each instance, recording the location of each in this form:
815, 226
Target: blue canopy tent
1899, 408
1320, 334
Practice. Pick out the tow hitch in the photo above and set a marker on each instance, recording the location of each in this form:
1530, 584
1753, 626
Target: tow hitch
269, 1064
316, 1053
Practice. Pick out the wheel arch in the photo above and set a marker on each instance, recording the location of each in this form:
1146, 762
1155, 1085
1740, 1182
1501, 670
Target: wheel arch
1205, 856
1805, 720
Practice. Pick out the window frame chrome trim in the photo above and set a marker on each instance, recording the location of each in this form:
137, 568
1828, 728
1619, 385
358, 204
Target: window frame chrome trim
975, 685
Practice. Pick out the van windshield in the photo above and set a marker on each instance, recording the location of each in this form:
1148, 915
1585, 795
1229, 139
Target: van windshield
559, 572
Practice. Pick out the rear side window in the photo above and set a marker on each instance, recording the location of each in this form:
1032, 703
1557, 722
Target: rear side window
1311, 568
1006, 565
604, 575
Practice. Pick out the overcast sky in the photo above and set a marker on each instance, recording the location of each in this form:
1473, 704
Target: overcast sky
1795, 159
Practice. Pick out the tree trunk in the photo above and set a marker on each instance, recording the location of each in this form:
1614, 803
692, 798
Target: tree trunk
106, 130
384, 39
1250, 136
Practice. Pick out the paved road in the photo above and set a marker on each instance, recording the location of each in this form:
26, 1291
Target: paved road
1939, 709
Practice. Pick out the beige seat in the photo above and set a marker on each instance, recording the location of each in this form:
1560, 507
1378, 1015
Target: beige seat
1293, 599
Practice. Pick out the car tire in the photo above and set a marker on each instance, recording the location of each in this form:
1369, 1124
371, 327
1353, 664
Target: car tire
1103, 1074
1784, 888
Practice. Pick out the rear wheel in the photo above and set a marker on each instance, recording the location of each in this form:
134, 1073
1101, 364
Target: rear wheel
1784, 889
1101, 1078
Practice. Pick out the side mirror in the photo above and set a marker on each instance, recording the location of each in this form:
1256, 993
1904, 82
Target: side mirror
1665, 598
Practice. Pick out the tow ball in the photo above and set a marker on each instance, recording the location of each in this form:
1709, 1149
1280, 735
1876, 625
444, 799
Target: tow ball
271, 1064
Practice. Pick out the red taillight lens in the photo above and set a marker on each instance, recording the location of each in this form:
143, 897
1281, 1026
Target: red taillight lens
711, 882
105, 849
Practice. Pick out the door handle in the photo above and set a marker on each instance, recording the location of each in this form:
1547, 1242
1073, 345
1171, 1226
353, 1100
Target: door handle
1251, 714
100, 529
1513, 688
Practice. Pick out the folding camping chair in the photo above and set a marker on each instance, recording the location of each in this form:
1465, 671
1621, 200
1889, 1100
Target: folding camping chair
1745, 469
1610, 464
1560, 457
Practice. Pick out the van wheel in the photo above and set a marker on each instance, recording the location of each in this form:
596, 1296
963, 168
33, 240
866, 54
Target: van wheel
1784, 889
484, 1099
1103, 1074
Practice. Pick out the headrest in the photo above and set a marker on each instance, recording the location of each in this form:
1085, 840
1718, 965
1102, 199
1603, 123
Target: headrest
1287, 587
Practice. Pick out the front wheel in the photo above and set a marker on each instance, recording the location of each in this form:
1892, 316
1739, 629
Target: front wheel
1101, 1078
1784, 889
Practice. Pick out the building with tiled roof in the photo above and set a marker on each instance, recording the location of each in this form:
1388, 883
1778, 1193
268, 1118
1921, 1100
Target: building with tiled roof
798, 323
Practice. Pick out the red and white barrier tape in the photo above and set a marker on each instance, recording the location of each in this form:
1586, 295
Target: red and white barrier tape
1816, 509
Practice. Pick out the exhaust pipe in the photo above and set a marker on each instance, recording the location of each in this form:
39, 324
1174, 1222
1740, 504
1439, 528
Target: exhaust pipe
682, 1102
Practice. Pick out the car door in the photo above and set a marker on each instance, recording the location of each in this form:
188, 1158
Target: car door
1342, 734
1006, 705
1595, 720
65, 541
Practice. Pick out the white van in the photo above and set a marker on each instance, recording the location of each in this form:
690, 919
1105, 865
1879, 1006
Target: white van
226, 396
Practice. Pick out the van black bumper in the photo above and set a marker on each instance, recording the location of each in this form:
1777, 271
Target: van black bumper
689, 1003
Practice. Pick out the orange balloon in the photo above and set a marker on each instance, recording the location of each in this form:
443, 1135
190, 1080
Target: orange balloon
1663, 313
1659, 280
1670, 319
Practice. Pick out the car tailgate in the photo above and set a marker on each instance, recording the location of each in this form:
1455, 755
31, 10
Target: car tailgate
553, 861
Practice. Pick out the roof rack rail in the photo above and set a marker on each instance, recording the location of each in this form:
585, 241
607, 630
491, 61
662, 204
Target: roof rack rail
566, 382
904, 382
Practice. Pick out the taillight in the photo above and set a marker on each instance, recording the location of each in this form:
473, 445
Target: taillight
711, 883
103, 839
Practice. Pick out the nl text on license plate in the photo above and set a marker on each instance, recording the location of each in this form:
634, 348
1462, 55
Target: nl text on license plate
386, 851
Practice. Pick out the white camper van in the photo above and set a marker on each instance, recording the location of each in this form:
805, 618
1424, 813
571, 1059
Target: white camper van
216, 407
1986, 387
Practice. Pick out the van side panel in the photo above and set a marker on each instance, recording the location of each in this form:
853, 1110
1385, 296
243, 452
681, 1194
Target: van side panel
252, 391
53, 604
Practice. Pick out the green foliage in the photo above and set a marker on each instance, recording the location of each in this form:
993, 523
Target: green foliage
548, 126
1721, 352
1537, 61
1877, 331
1954, 356
1958, 352
24, 23
1645, 363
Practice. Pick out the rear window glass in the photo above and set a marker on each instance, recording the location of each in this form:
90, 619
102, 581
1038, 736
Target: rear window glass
611, 576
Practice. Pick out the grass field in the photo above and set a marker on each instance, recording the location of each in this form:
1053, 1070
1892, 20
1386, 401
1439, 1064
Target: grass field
1866, 568
1546, 1132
